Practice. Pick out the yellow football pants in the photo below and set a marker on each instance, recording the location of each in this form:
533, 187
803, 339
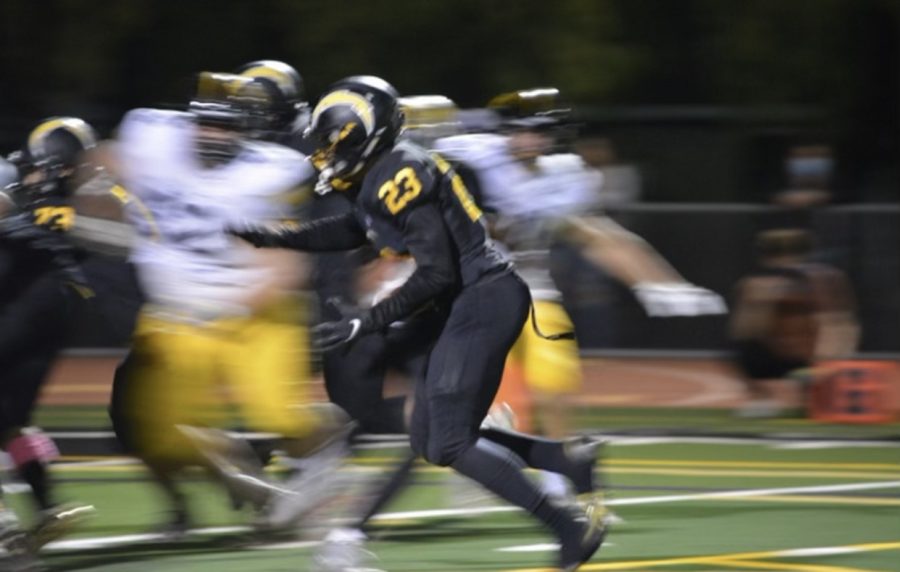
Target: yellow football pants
251, 372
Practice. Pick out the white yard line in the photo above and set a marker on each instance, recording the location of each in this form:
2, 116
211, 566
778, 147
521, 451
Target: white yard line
111, 541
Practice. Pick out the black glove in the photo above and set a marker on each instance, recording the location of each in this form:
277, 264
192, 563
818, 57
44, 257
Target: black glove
331, 335
259, 235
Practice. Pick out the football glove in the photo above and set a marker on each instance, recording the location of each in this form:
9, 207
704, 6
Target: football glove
330, 335
667, 299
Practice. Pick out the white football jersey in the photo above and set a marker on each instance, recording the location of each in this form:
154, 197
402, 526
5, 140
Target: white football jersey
186, 258
530, 203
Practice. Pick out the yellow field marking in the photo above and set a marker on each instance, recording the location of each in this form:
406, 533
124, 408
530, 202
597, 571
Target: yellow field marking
660, 467
714, 559
749, 473
370, 461
754, 564
756, 464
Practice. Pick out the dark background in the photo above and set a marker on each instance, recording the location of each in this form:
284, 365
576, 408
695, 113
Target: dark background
704, 96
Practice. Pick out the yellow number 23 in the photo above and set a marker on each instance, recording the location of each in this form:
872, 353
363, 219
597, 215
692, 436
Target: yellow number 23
404, 187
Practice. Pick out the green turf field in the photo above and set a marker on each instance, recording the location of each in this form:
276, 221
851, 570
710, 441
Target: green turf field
685, 505
633, 420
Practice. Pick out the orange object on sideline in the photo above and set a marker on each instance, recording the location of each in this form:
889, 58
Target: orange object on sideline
853, 392
514, 391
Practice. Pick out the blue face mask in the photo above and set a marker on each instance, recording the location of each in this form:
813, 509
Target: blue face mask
810, 167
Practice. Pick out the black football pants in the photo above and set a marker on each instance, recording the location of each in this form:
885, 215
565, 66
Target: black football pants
464, 368
32, 333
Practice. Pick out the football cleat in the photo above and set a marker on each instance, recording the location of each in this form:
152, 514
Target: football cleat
311, 487
579, 547
57, 522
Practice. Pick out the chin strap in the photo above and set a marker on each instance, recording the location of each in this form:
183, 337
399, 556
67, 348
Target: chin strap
570, 335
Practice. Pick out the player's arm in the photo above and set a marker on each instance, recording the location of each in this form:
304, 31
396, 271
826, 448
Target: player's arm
284, 272
428, 242
329, 234
623, 254
101, 224
633, 261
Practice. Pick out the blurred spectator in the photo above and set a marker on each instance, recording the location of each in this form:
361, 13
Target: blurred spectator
788, 314
808, 169
808, 172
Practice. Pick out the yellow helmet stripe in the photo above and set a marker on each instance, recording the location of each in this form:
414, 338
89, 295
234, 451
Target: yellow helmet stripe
360, 105
267, 72
76, 127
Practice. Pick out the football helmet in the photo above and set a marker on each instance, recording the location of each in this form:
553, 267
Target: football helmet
230, 104
58, 142
286, 95
429, 117
535, 108
51, 155
356, 119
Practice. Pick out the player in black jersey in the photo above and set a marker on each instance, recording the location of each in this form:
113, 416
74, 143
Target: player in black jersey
407, 201
42, 283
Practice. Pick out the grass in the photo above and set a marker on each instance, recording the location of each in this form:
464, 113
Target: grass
661, 490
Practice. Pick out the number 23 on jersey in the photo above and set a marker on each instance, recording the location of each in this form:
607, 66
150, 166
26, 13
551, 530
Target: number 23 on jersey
399, 191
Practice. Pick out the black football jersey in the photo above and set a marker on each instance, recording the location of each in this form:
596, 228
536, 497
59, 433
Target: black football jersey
408, 177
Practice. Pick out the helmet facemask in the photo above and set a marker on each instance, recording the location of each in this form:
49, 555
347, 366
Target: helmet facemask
344, 146
222, 110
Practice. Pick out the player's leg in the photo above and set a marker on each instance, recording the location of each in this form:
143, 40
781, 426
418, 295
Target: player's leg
39, 319
405, 351
354, 379
268, 376
463, 374
125, 379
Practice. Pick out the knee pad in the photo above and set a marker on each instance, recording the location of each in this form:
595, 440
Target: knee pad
32, 445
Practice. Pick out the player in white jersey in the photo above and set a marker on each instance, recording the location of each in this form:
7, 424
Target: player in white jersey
540, 196
223, 323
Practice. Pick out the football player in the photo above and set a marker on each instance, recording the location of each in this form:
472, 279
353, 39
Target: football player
284, 112
41, 283
408, 201
539, 195
216, 312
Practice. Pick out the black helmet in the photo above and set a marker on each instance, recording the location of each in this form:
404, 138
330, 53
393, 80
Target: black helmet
355, 121
286, 94
54, 148
58, 142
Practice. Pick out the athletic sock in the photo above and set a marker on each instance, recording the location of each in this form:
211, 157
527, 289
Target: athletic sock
546, 454
500, 471
35, 474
